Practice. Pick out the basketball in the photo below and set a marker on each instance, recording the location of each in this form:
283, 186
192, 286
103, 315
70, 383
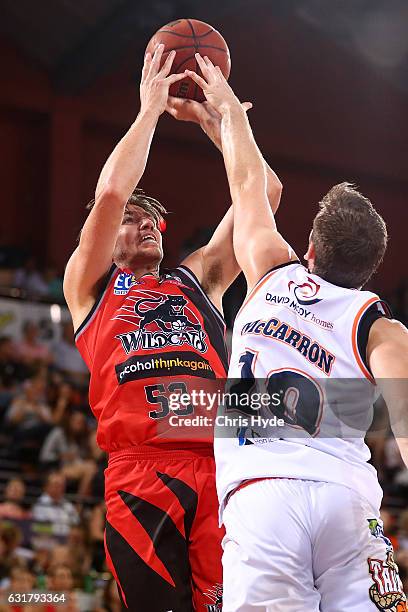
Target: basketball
187, 37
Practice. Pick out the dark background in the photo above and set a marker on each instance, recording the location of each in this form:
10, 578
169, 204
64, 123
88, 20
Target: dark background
328, 80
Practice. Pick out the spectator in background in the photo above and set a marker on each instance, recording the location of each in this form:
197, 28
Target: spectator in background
12, 507
30, 280
66, 448
67, 358
54, 285
9, 540
111, 599
403, 530
79, 553
21, 581
52, 506
101, 461
11, 370
97, 535
30, 419
30, 350
60, 580
13, 552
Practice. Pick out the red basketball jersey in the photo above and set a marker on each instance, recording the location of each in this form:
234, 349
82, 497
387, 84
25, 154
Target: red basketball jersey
144, 340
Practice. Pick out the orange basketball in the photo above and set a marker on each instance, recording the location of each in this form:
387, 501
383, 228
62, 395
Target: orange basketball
187, 37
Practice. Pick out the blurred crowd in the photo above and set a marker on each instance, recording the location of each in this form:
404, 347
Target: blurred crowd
52, 512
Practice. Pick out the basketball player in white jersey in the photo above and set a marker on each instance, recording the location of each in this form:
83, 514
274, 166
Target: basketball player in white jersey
299, 501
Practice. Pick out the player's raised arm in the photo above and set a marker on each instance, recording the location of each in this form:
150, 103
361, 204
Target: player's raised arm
387, 355
215, 264
121, 173
257, 243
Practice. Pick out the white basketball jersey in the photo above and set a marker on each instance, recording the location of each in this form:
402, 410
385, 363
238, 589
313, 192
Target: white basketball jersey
295, 342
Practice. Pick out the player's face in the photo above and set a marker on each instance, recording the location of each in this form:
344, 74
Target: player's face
139, 240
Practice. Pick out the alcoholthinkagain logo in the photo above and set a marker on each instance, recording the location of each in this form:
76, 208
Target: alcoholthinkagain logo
169, 364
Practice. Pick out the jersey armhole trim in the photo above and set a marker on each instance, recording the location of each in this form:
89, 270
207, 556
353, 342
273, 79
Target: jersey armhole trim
195, 280
263, 280
278, 267
354, 337
98, 301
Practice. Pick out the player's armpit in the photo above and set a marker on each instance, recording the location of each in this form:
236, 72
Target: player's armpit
387, 355
215, 264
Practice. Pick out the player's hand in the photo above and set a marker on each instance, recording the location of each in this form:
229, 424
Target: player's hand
200, 112
214, 85
156, 81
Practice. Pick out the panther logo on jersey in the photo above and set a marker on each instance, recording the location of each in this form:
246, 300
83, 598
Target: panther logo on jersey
170, 311
387, 591
306, 292
161, 320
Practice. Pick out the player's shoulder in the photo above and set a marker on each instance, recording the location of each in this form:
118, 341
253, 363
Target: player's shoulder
388, 329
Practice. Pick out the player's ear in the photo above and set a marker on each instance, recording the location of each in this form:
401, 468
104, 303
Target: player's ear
310, 255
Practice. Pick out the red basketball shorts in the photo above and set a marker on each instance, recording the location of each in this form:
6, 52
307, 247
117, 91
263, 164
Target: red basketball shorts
162, 539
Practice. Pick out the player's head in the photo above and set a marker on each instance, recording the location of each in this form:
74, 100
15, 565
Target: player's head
139, 242
348, 239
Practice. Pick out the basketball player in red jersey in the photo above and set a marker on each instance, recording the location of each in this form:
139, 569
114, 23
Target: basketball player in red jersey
145, 335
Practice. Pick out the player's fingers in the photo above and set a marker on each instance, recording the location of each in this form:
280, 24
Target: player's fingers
174, 105
219, 72
172, 110
212, 70
165, 69
173, 102
197, 79
146, 65
203, 66
247, 106
181, 103
155, 63
173, 78
208, 62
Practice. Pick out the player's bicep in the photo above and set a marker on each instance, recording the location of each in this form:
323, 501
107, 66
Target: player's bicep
92, 258
387, 353
257, 243
80, 287
264, 249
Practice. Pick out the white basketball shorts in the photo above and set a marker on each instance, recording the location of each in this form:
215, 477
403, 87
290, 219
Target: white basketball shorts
306, 546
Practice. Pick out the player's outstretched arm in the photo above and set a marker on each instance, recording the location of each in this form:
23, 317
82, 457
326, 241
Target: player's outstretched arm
387, 355
258, 245
120, 175
209, 120
215, 264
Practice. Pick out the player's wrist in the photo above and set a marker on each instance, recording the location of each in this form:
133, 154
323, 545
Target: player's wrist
149, 115
231, 107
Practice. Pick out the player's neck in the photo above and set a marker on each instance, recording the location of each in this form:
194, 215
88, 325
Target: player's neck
139, 271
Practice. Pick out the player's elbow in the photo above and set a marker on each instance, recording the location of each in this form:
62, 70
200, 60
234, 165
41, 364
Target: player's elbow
275, 188
110, 194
